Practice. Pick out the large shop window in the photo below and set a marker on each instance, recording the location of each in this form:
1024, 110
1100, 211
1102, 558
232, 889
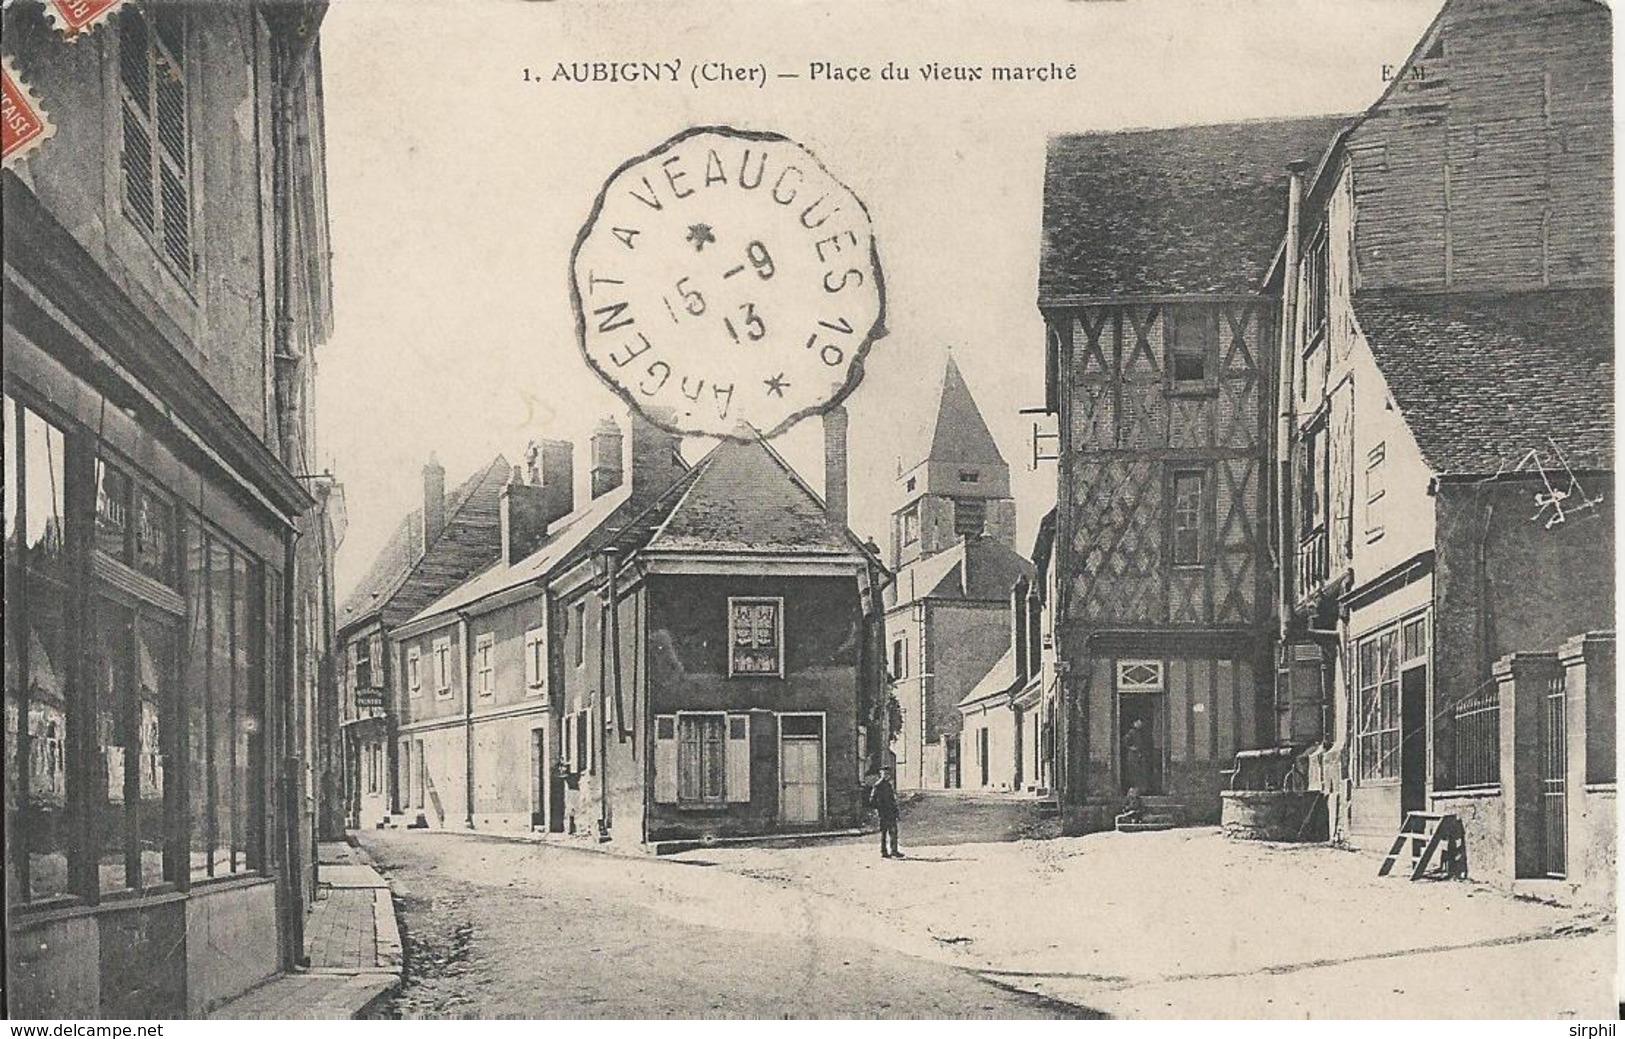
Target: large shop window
224, 694
1384, 659
141, 706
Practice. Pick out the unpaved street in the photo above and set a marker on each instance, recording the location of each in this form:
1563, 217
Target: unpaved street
495, 928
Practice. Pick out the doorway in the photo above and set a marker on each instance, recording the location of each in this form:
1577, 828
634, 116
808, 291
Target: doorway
538, 779
801, 769
1413, 744
1139, 742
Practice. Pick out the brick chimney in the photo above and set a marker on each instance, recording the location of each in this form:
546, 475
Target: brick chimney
606, 458
434, 500
523, 508
657, 459
552, 468
835, 493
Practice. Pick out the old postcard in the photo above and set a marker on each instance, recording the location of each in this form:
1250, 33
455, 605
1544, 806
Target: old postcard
706, 509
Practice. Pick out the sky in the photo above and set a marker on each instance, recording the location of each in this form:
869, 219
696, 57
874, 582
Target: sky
456, 189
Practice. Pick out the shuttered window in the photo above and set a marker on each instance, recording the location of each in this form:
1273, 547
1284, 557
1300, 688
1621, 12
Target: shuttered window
701, 757
156, 131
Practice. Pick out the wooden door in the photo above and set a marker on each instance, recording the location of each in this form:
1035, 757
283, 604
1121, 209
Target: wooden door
801, 784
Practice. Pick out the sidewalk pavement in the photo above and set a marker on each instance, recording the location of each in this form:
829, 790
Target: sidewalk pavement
351, 941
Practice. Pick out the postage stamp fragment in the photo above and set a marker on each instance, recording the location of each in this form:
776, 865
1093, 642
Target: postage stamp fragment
25, 123
76, 16
727, 277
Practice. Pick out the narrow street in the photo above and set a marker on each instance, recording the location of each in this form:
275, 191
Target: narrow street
970, 925
496, 928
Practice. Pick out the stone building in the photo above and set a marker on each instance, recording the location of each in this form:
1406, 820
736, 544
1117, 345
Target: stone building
168, 541
1446, 286
451, 536
947, 612
693, 653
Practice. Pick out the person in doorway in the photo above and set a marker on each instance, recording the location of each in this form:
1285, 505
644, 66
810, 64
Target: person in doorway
883, 799
1137, 757
1133, 808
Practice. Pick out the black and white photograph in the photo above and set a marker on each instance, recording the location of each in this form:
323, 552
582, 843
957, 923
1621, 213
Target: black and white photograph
1088, 510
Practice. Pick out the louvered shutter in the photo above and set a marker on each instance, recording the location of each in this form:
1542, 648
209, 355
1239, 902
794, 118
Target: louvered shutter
737, 784
666, 759
135, 73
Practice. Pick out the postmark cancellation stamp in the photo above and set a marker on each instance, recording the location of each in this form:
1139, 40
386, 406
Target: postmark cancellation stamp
727, 277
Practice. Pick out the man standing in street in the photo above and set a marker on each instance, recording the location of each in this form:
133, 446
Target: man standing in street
883, 799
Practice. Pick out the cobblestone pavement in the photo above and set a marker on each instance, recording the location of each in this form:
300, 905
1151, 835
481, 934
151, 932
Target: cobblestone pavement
497, 928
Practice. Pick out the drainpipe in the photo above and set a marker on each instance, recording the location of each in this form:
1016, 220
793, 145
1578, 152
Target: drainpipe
1284, 400
621, 731
607, 661
468, 714
288, 781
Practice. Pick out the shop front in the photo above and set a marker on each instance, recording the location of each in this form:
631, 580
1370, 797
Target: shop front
144, 597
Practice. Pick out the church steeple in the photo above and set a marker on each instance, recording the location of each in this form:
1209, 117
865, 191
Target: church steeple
961, 488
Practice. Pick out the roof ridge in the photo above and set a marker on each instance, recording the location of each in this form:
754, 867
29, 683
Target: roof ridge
1132, 131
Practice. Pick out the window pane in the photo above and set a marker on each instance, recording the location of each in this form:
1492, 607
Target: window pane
240, 682
112, 511
195, 681
38, 829
155, 670
154, 536
712, 768
35, 660
44, 495
111, 645
219, 701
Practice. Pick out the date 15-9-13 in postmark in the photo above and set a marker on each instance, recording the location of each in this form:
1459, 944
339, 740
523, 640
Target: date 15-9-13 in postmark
727, 277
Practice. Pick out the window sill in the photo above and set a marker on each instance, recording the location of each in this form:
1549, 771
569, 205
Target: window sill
1484, 790
1373, 536
1193, 390
28, 916
701, 806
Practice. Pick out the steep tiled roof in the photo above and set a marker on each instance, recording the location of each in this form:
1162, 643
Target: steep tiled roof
1190, 210
1484, 378
743, 497
978, 569
464, 545
961, 434
563, 540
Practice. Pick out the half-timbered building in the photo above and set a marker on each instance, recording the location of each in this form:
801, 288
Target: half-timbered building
1160, 347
